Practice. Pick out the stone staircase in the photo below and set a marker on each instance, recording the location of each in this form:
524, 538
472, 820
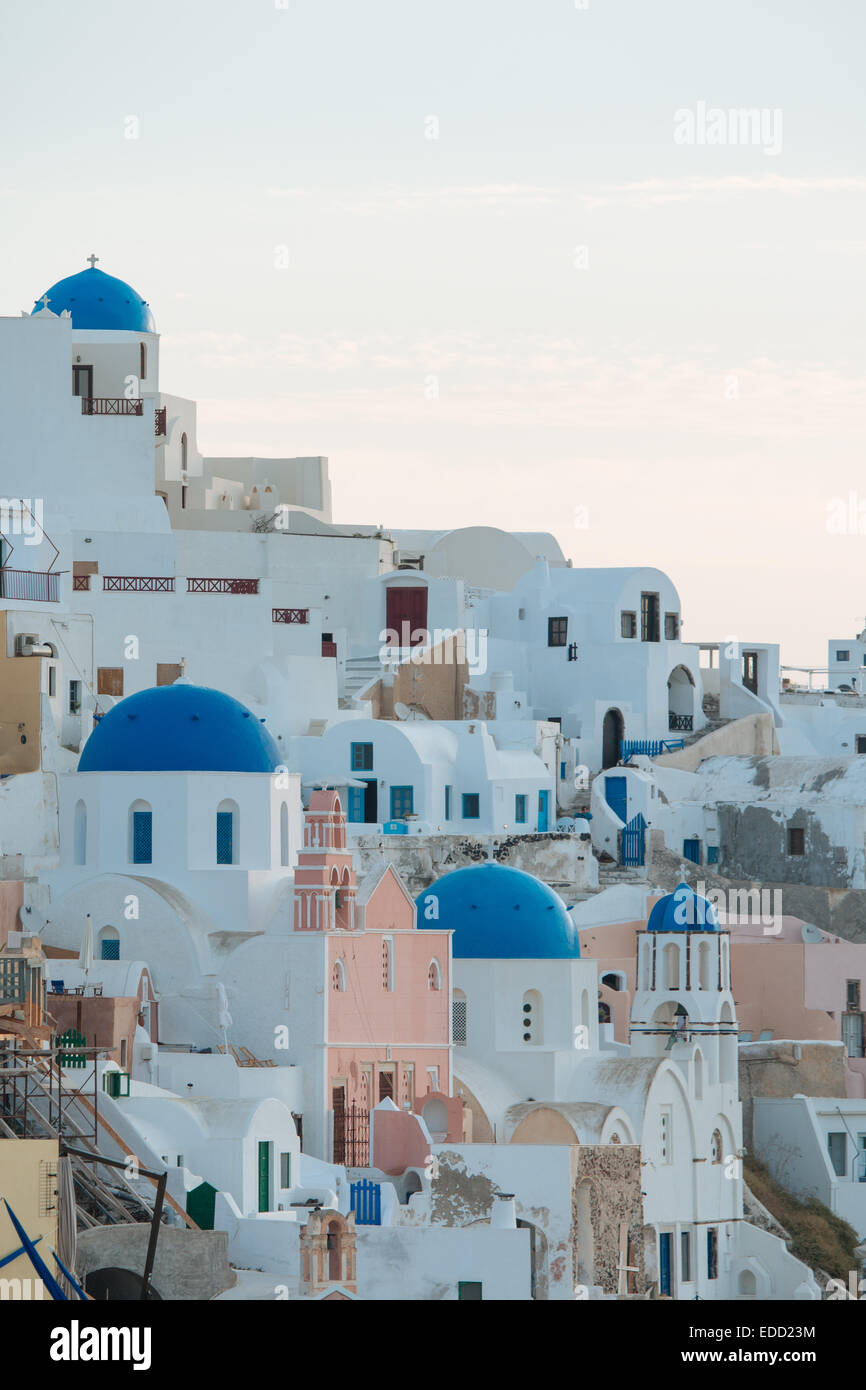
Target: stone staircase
610, 875
359, 673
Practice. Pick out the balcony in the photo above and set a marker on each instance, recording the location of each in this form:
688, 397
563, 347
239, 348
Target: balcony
222, 586
33, 586
680, 722
109, 405
137, 584
290, 615
80, 583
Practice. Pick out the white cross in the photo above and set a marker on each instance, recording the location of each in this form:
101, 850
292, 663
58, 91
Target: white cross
45, 301
93, 259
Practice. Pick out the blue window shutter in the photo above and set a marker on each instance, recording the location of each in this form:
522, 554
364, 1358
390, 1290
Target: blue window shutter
225, 846
111, 950
402, 802
142, 837
356, 804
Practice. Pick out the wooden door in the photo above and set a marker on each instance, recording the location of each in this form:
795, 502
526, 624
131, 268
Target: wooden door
406, 613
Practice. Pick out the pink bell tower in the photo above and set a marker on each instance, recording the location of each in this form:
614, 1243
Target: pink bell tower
325, 883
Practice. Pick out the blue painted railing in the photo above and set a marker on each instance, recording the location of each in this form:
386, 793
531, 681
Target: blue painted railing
648, 747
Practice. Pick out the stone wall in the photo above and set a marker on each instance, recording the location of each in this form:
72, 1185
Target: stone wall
188, 1265
562, 860
782, 1069
612, 1172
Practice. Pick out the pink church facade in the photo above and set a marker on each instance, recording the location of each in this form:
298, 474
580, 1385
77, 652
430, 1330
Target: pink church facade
388, 987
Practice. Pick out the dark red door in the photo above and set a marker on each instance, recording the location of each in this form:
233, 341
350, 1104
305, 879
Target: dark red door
406, 613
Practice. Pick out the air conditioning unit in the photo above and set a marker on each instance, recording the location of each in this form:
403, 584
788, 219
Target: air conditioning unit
28, 644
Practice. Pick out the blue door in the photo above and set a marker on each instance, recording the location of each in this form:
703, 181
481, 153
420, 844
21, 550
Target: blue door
692, 850
615, 794
665, 1243
543, 810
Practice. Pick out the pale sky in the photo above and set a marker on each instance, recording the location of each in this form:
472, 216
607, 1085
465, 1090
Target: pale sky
551, 312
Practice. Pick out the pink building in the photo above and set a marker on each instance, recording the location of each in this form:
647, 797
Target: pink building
799, 984
387, 1016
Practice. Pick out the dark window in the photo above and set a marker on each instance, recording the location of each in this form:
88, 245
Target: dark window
629, 624
142, 361
447, 803
861, 743
649, 617
142, 837
402, 801
750, 671
52, 680
844, 655
225, 837
852, 994
82, 381
685, 1257
471, 806
362, 757
74, 697
672, 626
712, 1252
837, 1147
796, 840
557, 632
520, 809
110, 949
468, 1292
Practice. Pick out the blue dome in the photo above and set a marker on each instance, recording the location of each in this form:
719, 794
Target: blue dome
683, 910
97, 300
179, 728
499, 913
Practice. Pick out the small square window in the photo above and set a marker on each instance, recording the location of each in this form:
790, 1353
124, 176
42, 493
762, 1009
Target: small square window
861, 743
471, 806
557, 632
362, 757
843, 655
468, 1292
672, 627
796, 840
629, 624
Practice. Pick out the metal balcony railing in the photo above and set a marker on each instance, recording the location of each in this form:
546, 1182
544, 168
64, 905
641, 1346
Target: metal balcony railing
159, 421
80, 583
681, 722
290, 615
222, 586
111, 405
137, 584
36, 586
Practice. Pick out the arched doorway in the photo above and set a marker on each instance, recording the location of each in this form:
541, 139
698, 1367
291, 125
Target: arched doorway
611, 738
681, 700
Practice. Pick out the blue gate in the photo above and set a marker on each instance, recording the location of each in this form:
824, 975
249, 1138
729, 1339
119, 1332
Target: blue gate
633, 840
367, 1203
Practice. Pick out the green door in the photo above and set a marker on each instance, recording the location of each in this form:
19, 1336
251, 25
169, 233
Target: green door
200, 1204
264, 1175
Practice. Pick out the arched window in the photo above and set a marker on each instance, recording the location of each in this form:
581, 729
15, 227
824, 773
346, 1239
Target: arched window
334, 1245
704, 965
109, 944
614, 979
79, 834
747, 1284
338, 976
716, 1154
140, 833
284, 835
434, 975
672, 966
459, 1017
227, 832
530, 1021
142, 361
388, 962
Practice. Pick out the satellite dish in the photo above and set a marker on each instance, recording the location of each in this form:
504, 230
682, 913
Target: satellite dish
810, 933
408, 711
